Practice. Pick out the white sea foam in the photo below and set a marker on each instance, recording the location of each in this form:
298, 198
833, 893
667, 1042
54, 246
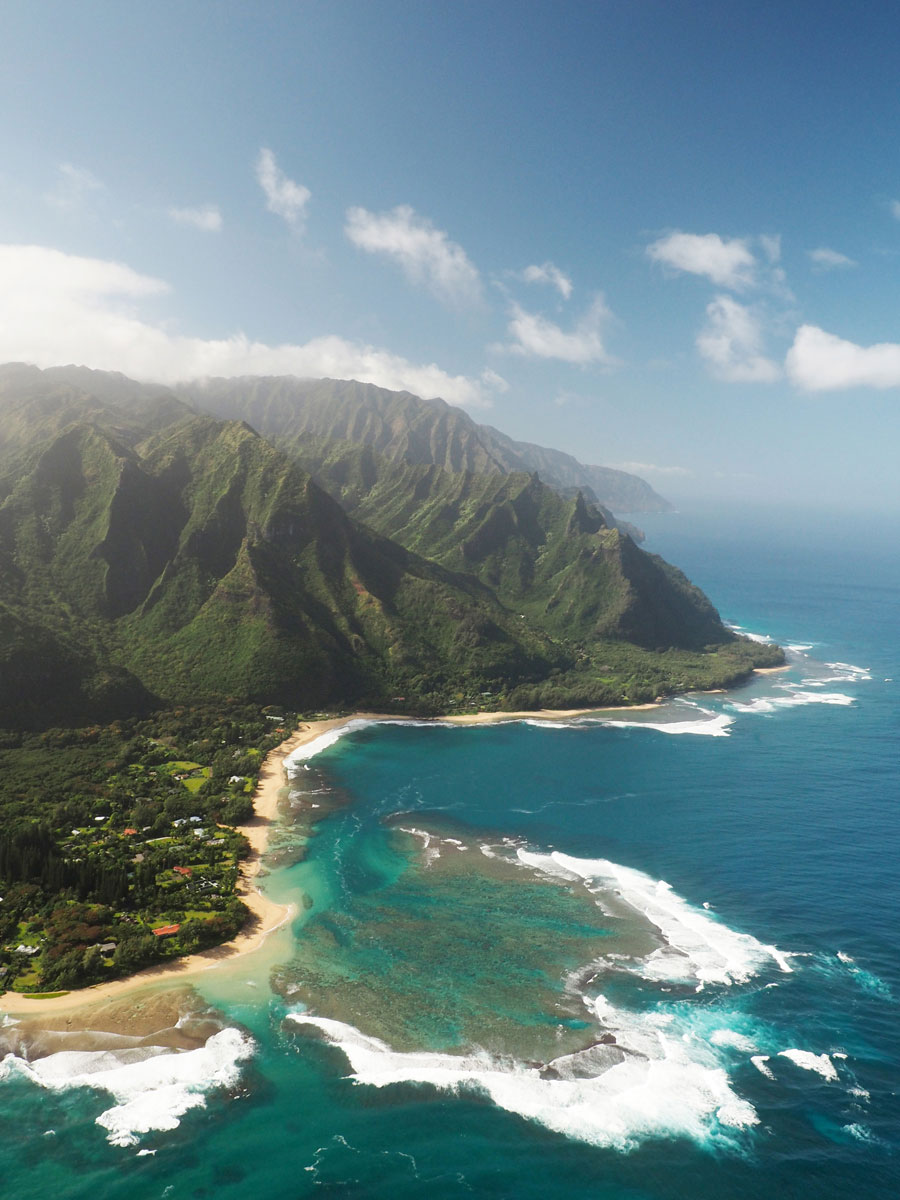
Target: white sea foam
698, 947
668, 1094
730, 1037
862, 1133
759, 1061
550, 724
820, 1063
153, 1088
797, 698
709, 724
430, 852
849, 671
324, 741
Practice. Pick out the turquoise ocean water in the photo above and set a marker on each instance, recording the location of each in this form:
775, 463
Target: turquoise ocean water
655, 957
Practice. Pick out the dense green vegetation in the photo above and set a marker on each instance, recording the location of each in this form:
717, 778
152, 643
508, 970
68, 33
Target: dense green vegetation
165, 575
110, 832
404, 428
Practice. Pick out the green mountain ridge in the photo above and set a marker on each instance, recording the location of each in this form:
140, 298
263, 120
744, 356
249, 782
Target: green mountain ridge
404, 428
560, 561
151, 555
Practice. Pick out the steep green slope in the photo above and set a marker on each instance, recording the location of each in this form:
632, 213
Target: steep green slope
210, 564
150, 556
37, 405
560, 561
304, 598
635, 626
403, 427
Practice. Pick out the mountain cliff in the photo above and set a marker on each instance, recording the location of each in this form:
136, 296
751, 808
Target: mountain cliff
561, 561
403, 427
152, 555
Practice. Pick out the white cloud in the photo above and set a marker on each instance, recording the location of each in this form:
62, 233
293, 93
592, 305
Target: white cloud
426, 254
895, 209
731, 343
536, 337
59, 308
639, 468
284, 197
73, 186
825, 258
820, 361
492, 380
548, 272
205, 217
771, 244
725, 263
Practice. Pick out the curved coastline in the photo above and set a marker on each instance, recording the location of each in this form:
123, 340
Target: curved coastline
268, 915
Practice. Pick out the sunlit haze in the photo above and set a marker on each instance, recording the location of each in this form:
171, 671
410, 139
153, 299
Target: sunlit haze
661, 237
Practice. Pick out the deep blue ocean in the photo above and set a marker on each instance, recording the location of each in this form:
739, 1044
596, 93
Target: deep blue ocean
655, 957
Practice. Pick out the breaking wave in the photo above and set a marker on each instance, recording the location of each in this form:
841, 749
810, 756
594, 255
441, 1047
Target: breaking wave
698, 948
641, 1085
152, 1088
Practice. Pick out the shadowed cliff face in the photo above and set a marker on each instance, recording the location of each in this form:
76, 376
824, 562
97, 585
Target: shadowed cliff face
208, 563
404, 428
192, 558
559, 561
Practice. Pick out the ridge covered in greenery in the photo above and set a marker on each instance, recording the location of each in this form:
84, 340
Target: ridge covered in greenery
151, 554
404, 428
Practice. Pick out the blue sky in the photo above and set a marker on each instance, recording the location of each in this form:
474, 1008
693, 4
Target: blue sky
658, 235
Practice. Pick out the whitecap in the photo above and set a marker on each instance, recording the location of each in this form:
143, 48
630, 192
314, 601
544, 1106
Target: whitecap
849, 671
153, 1088
754, 637
710, 725
820, 1063
698, 947
666, 1095
730, 1037
325, 740
862, 1133
549, 723
759, 1061
797, 698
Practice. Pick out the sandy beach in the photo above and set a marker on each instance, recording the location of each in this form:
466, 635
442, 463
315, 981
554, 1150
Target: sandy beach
266, 915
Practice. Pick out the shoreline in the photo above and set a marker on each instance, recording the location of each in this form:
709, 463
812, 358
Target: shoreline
268, 915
